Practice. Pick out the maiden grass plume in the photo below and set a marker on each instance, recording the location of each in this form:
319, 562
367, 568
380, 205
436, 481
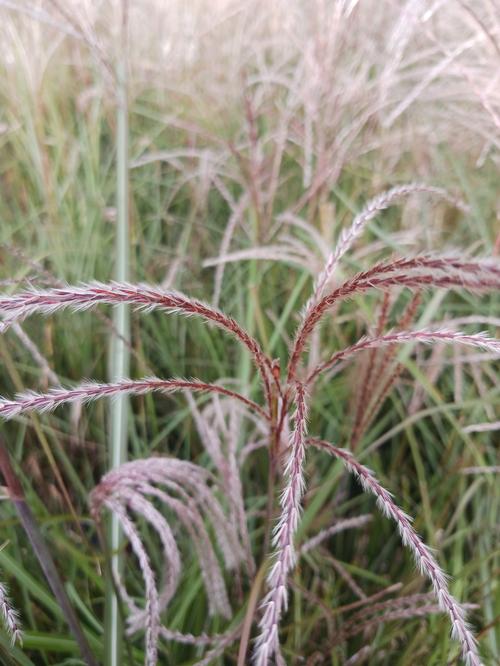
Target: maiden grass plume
266, 142
195, 496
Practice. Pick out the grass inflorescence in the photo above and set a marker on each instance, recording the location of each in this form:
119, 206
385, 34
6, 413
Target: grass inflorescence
295, 197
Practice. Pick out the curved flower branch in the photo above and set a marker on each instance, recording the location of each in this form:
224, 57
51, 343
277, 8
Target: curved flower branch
30, 401
479, 275
143, 297
422, 554
427, 336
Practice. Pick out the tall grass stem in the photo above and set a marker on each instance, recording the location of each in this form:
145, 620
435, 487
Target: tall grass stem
120, 358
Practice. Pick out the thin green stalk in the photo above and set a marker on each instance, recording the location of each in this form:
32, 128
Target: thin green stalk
119, 348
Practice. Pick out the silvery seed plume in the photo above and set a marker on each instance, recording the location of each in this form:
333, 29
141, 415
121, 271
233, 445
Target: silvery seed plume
10, 616
186, 491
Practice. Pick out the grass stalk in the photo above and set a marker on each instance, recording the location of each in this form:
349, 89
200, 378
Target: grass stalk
120, 358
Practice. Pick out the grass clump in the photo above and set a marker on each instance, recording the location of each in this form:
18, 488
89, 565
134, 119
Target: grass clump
254, 132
